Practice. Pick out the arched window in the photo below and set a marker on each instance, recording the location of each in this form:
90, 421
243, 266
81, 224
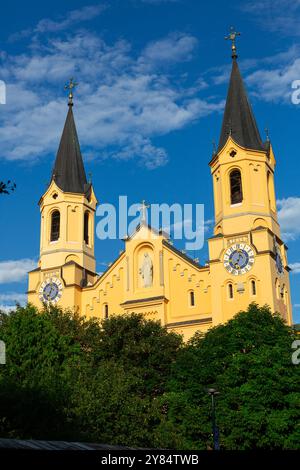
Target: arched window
253, 287
86, 227
106, 311
236, 191
192, 298
230, 291
55, 226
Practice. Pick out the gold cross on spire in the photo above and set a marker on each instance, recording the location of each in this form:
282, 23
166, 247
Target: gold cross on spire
70, 86
232, 36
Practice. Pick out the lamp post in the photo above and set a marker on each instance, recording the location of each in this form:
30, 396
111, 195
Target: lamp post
2, 352
215, 430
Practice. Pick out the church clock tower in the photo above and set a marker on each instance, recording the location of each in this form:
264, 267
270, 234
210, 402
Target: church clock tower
248, 261
67, 261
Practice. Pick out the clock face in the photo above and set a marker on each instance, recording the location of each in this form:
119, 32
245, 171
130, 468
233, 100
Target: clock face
51, 290
279, 262
238, 259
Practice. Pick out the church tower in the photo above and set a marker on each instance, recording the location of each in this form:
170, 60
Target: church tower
67, 208
248, 258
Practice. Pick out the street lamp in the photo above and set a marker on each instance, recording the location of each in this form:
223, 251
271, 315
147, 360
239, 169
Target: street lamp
2, 352
213, 392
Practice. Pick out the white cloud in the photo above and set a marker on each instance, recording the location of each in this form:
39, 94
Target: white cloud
149, 155
14, 297
178, 226
270, 82
73, 17
188, 223
15, 271
120, 105
172, 49
275, 84
7, 308
268, 78
289, 216
275, 15
9, 301
295, 268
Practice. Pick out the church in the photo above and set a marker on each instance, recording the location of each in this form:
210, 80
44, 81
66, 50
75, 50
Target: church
247, 257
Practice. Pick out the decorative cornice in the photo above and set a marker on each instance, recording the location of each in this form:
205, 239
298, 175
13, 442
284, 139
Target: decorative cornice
189, 322
147, 299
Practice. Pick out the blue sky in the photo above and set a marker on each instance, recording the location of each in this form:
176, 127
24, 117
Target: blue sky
153, 77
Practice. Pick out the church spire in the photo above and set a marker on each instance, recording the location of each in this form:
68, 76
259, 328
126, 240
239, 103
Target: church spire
68, 172
238, 121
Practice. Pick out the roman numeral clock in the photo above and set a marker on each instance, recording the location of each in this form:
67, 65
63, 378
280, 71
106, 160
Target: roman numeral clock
51, 290
238, 259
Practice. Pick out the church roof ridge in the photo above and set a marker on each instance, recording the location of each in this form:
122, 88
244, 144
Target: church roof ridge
183, 255
143, 223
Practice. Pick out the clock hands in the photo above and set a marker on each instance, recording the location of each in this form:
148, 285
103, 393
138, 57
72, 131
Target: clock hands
239, 257
236, 264
238, 260
50, 291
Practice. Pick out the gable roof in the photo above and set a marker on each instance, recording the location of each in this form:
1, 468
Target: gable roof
141, 224
183, 255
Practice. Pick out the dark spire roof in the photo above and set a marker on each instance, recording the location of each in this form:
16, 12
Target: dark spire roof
239, 120
68, 172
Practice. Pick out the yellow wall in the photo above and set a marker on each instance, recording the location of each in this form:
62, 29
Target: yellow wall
71, 245
259, 195
121, 288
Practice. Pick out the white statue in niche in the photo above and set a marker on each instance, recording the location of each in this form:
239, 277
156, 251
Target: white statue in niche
146, 270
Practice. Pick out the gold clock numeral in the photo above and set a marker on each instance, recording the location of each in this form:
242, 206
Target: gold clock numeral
243, 252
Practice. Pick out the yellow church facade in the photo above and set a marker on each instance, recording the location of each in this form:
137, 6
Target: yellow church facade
247, 257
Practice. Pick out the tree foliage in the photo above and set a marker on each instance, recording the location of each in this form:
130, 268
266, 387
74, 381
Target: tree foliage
7, 187
248, 360
72, 378
129, 381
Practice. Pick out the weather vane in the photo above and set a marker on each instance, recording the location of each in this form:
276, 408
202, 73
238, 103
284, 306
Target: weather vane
70, 86
232, 36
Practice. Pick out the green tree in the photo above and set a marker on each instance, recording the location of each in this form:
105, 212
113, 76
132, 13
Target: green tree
141, 346
7, 187
128, 381
107, 406
249, 361
71, 378
41, 364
